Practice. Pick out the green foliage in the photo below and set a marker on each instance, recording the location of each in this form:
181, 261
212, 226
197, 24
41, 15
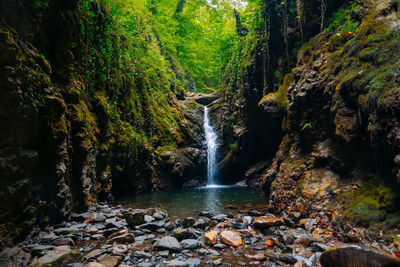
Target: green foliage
342, 18
306, 125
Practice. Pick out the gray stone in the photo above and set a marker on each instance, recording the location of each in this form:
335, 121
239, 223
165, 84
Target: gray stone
188, 222
163, 254
148, 218
169, 243
141, 254
145, 264
176, 263
193, 262
52, 256
41, 249
220, 246
189, 244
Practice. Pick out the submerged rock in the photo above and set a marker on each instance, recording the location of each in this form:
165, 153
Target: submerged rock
264, 222
355, 256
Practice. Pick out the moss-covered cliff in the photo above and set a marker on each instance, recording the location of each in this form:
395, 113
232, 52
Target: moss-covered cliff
86, 113
338, 109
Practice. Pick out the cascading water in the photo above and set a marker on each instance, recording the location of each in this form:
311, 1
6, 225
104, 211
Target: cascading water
212, 146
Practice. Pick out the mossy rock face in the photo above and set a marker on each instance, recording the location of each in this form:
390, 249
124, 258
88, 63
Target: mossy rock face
370, 204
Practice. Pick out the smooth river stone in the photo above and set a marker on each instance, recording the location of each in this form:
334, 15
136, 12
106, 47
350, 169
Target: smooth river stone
211, 238
264, 222
169, 243
231, 238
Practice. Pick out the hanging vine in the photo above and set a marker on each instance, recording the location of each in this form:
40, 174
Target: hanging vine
285, 30
323, 10
300, 17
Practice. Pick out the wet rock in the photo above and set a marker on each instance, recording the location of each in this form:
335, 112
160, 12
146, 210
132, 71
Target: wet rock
397, 160
269, 243
163, 254
308, 224
356, 255
148, 218
63, 242
119, 249
189, 244
134, 217
240, 225
153, 226
141, 254
188, 222
256, 257
94, 264
207, 214
170, 226
92, 230
137, 232
126, 238
176, 263
193, 233
40, 249
265, 222
220, 246
161, 231
93, 254
110, 261
211, 238
220, 217
181, 234
119, 225
193, 262
100, 217
247, 232
217, 262
145, 264
169, 243
201, 223
53, 256
14, 257
231, 238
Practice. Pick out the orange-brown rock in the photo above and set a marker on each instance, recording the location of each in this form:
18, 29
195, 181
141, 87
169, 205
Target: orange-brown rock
231, 238
211, 238
269, 243
264, 222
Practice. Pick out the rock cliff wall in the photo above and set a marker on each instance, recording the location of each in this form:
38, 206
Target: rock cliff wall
82, 118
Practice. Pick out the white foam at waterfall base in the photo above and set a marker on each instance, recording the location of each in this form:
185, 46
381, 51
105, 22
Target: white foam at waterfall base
212, 148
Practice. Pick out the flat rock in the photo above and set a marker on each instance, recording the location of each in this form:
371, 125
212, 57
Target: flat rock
255, 257
169, 243
264, 222
148, 218
211, 238
134, 217
141, 254
189, 244
193, 262
126, 238
180, 233
176, 263
231, 238
94, 264
53, 256
110, 261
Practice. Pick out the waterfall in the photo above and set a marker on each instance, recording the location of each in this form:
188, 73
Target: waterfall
212, 146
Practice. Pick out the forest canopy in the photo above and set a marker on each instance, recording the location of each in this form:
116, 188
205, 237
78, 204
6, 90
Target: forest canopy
196, 37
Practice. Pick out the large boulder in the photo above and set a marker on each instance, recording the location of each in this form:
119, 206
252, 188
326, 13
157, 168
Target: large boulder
231, 238
356, 255
169, 243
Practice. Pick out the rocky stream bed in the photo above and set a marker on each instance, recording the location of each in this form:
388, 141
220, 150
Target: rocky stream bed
114, 236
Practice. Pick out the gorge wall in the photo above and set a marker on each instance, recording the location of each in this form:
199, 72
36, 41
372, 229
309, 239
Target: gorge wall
335, 114
85, 113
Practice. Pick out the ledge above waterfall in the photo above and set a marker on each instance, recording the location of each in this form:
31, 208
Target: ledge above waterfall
204, 99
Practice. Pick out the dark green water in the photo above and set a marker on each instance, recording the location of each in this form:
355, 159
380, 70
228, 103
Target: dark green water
190, 202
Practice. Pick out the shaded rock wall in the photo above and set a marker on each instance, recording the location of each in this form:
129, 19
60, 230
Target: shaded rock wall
77, 125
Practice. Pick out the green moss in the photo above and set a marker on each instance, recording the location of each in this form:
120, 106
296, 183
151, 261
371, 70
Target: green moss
370, 203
